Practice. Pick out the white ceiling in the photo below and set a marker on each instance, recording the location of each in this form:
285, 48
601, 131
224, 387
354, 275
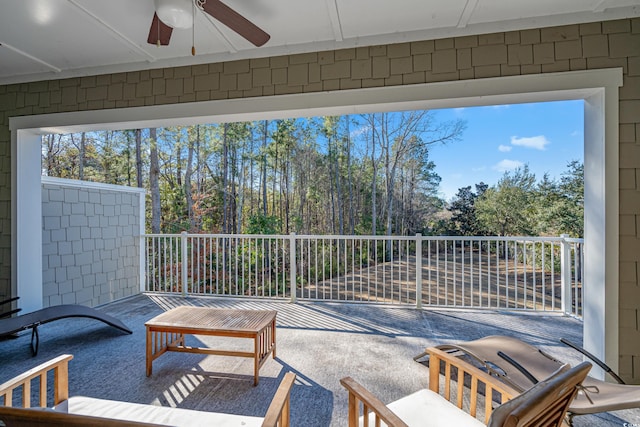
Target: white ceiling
49, 39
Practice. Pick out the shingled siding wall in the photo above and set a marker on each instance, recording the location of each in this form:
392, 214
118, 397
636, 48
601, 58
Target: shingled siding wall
535, 51
90, 242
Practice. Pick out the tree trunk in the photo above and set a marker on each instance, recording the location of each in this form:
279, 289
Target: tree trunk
187, 179
374, 173
51, 156
275, 177
286, 195
240, 196
350, 179
264, 169
225, 178
332, 196
339, 195
139, 157
81, 154
154, 175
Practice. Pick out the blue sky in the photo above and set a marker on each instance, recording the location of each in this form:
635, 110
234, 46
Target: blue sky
546, 136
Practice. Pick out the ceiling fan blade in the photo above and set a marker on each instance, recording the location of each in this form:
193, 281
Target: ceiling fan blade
159, 31
236, 22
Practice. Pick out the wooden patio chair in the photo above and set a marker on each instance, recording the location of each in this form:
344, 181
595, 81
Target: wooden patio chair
520, 365
545, 404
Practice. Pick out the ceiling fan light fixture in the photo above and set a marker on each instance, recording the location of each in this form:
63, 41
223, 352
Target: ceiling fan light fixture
175, 13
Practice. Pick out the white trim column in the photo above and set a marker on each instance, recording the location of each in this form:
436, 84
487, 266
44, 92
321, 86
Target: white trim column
601, 228
142, 242
26, 218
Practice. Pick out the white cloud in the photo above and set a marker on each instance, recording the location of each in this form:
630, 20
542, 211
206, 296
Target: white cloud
459, 111
504, 148
479, 169
535, 142
507, 165
359, 131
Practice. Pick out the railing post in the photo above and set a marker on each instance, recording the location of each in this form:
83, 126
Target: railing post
418, 270
292, 263
183, 244
565, 274
144, 262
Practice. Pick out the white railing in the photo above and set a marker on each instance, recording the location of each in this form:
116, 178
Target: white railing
519, 273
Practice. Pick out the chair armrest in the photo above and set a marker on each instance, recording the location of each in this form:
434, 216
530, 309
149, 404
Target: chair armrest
594, 359
50, 418
60, 367
456, 370
371, 404
278, 414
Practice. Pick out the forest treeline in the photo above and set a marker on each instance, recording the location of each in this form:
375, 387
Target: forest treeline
364, 174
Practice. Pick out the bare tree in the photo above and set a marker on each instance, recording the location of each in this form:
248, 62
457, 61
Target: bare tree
80, 145
154, 175
225, 178
264, 168
405, 134
187, 176
139, 180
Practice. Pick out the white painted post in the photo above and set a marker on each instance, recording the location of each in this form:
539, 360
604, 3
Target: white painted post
418, 270
142, 253
292, 263
183, 258
565, 275
26, 220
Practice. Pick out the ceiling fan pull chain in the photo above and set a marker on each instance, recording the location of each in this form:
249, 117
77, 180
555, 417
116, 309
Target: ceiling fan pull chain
193, 30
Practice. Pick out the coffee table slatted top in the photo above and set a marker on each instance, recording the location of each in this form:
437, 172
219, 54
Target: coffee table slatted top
207, 319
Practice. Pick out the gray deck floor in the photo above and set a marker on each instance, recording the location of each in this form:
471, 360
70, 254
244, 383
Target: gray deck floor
320, 342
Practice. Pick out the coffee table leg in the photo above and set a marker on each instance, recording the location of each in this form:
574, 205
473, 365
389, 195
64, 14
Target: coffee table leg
149, 359
273, 337
256, 359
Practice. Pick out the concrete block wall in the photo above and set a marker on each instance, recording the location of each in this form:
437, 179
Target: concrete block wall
596, 45
90, 242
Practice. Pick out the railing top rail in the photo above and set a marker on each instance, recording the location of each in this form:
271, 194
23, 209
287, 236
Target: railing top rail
573, 239
222, 236
556, 239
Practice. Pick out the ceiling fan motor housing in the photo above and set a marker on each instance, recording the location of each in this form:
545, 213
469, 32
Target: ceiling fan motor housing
175, 13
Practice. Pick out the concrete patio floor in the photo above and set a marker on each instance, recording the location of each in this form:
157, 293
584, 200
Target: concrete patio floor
320, 342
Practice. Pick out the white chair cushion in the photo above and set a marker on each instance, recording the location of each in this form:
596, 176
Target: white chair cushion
154, 414
427, 408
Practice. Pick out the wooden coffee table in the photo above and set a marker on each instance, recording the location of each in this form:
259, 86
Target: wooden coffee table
166, 332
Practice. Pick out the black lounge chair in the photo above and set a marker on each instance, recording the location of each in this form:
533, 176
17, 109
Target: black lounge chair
10, 312
12, 325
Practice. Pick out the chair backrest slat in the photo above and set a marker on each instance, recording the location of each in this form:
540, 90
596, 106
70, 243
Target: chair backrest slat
544, 404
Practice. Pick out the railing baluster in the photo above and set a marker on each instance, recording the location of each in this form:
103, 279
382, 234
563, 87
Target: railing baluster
553, 274
574, 283
524, 270
472, 292
418, 282
429, 262
438, 272
544, 274
462, 270
534, 287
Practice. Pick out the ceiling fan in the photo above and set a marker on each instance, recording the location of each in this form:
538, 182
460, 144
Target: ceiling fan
172, 14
